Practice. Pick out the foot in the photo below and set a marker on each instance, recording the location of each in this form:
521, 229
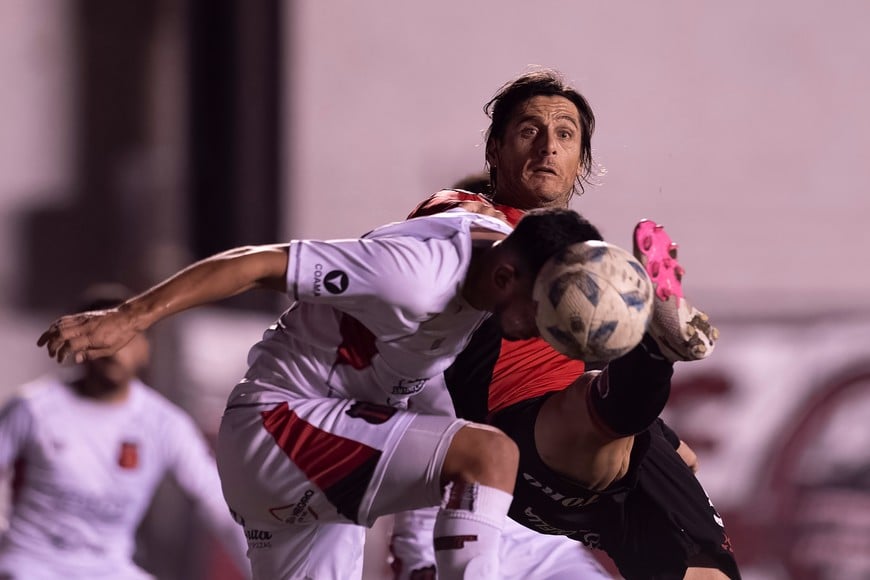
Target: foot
681, 331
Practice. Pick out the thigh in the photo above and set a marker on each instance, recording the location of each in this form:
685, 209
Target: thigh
670, 523
315, 461
546, 501
525, 554
306, 551
653, 522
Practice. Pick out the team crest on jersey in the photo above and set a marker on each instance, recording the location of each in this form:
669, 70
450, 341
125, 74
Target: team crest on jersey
371, 412
128, 458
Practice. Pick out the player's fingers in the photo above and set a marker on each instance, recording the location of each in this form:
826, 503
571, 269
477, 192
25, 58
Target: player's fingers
50, 333
61, 351
60, 329
75, 348
93, 354
54, 340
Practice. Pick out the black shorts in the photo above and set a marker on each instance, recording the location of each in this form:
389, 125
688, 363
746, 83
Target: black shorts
653, 523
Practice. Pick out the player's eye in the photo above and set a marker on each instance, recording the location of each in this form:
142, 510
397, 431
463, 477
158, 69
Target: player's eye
528, 131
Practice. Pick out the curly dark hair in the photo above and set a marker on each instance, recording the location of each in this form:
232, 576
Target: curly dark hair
543, 233
546, 82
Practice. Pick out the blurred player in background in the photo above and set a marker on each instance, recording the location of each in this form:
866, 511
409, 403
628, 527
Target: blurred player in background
316, 442
88, 454
596, 463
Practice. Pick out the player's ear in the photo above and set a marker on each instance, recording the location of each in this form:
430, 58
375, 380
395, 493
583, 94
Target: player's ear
504, 275
491, 152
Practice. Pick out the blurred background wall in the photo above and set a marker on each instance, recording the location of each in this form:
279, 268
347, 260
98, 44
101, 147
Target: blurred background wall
137, 136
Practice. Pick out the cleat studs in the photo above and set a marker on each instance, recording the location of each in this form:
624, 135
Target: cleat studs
646, 243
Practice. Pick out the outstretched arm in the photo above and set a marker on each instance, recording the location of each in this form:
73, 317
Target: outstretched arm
91, 335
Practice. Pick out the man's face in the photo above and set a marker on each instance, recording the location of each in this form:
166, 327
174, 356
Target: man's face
537, 160
125, 364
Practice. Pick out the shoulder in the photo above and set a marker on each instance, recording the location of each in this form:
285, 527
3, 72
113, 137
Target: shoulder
444, 200
157, 406
450, 230
447, 199
38, 392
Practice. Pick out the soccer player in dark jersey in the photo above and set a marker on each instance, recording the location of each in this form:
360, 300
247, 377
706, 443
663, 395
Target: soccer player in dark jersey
596, 462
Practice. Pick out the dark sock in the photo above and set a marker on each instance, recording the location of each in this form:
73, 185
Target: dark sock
632, 390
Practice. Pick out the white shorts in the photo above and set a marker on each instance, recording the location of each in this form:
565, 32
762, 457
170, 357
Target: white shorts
303, 475
523, 553
527, 554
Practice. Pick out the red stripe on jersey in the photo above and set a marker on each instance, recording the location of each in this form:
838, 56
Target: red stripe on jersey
524, 369
527, 369
449, 199
511, 213
357, 347
325, 458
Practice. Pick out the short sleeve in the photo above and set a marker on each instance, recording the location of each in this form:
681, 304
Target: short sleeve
405, 273
16, 423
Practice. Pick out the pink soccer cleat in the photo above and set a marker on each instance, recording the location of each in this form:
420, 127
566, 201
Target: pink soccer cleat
681, 331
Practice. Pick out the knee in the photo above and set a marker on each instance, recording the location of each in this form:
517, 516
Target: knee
482, 454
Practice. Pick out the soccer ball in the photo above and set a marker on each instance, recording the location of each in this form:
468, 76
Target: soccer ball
594, 301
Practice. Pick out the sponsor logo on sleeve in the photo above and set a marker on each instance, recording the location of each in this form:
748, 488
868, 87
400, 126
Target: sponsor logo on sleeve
335, 281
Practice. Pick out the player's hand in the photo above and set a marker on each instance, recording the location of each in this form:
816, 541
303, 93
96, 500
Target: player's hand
88, 335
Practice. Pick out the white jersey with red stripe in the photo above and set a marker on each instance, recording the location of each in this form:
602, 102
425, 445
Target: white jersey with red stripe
317, 435
373, 318
85, 473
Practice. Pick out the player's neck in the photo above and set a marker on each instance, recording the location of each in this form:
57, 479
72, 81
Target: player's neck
475, 289
525, 201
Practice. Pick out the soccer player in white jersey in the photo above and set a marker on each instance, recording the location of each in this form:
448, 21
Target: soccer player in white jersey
88, 455
316, 435
523, 553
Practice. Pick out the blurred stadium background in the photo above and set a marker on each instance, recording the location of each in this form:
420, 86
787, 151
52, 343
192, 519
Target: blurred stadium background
138, 136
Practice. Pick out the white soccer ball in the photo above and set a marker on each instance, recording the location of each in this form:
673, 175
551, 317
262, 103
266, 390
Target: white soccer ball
594, 301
